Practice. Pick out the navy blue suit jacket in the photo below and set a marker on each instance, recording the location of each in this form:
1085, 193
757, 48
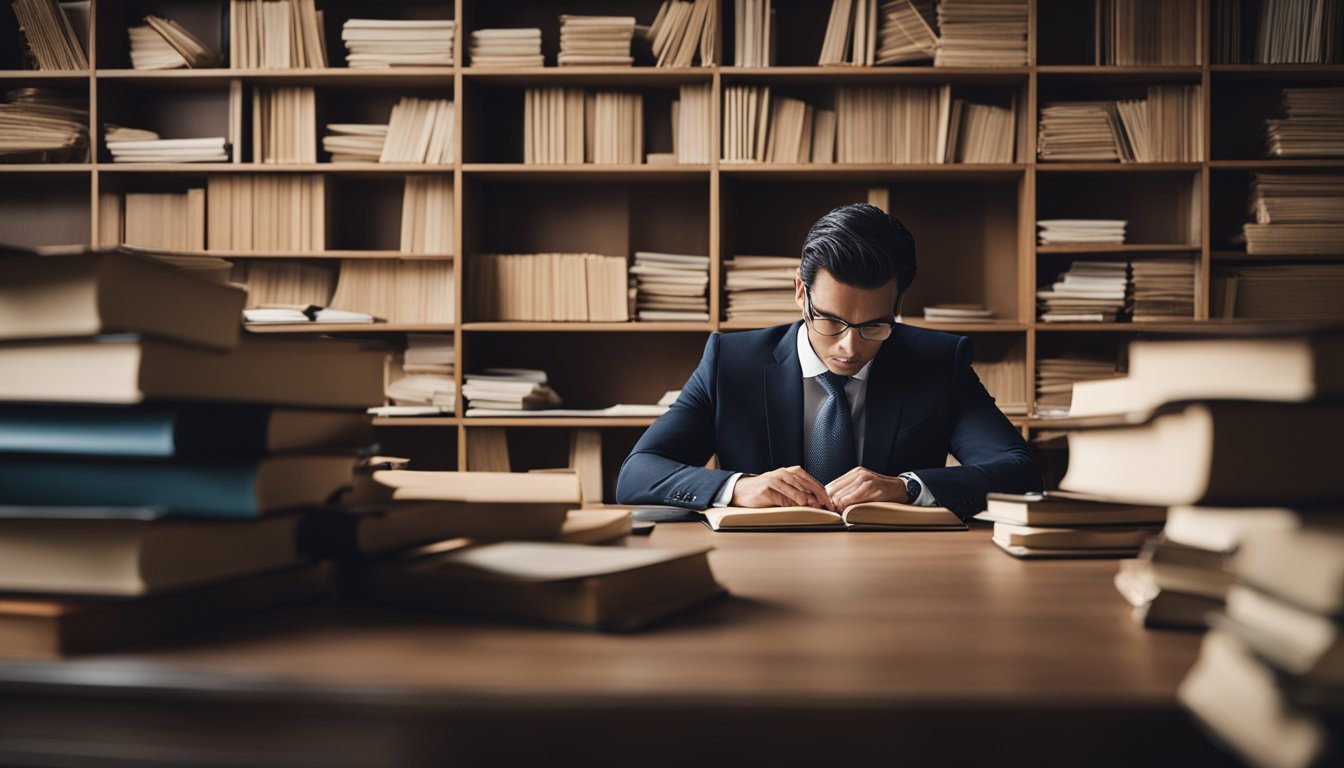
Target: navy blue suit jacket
745, 403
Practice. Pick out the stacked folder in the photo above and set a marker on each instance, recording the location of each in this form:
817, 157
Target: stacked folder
382, 43
354, 142
165, 44
40, 125
1089, 291
134, 145
509, 389
1163, 289
506, 48
1296, 214
759, 289
671, 286
596, 40
982, 33
1311, 127
1089, 231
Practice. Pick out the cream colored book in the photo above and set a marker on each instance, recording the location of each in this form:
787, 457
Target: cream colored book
869, 516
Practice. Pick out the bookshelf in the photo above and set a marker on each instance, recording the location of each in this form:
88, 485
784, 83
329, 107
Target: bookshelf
974, 223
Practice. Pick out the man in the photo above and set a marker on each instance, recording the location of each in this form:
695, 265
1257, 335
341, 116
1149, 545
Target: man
842, 407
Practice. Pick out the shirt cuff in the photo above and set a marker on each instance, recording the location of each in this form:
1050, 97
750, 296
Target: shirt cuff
925, 495
725, 495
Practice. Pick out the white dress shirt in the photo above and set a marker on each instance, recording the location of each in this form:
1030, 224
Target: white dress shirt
814, 395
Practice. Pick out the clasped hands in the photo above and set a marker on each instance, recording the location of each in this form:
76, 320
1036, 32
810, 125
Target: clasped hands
793, 486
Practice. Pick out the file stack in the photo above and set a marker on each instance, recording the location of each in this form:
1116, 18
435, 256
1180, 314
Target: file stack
1299, 32
596, 40
276, 34
671, 286
253, 213
1057, 375
982, 33
981, 133
133, 145
683, 31
957, 313
506, 48
383, 43
165, 44
1278, 292
693, 125
1311, 128
570, 125
1086, 231
420, 131
420, 382
759, 289
1089, 291
1058, 524
50, 35
551, 287
39, 125
284, 125
354, 142
1079, 131
753, 33
397, 291
182, 494
509, 389
1163, 289
427, 215
1165, 127
864, 117
1296, 214
906, 32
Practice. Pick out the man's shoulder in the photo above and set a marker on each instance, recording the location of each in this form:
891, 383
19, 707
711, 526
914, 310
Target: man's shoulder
758, 340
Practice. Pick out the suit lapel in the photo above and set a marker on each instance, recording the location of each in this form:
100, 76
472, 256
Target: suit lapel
784, 402
884, 402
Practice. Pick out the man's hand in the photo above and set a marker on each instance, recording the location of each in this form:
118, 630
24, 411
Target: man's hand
786, 487
861, 484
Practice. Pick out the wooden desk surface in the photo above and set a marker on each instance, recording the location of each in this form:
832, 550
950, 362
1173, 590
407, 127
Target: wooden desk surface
910, 639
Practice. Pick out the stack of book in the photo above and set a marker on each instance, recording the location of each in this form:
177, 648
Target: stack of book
284, 124
383, 43
54, 37
753, 33
135, 145
1165, 127
1086, 231
271, 212
851, 34
981, 133
167, 220
276, 34
1278, 292
397, 291
39, 125
1079, 131
1311, 128
506, 48
957, 313
180, 493
865, 116
551, 287
1299, 32
905, 32
165, 44
1059, 524
671, 286
1087, 292
759, 289
1146, 33
692, 125
1296, 214
1163, 289
597, 40
509, 389
354, 142
427, 215
683, 31
570, 125
420, 378
982, 33
420, 131
1056, 377
285, 283
746, 122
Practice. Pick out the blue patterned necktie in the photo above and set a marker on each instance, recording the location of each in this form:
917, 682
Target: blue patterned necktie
830, 451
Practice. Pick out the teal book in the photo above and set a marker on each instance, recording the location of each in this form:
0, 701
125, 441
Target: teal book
227, 489
179, 430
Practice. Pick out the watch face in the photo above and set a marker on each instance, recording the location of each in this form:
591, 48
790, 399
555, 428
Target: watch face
912, 488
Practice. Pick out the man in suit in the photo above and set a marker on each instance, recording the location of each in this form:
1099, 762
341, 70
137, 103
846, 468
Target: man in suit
841, 407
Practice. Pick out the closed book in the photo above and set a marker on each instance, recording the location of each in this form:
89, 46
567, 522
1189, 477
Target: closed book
1158, 606
1211, 453
605, 588
1300, 642
85, 294
868, 516
125, 368
1064, 508
1303, 566
1114, 537
595, 526
225, 488
179, 430
53, 628
127, 558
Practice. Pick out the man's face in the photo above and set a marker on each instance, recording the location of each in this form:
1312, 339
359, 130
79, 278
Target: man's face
847, 353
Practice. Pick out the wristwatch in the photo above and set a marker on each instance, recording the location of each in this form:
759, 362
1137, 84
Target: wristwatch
913, 489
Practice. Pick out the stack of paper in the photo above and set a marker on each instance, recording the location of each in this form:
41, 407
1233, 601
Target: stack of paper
905, 33
1164, 289
354, 142
133, 145
382, 43
1090, 231
49, 32
38, 125
165, 44
957, 313
982, 33
1079, 131
596, 40
1055, 377
1312, 127
506, 48
1296, 214
1089, 291
759, 289
671, 286
512, 389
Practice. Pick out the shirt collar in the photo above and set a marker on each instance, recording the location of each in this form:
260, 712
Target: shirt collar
812, 365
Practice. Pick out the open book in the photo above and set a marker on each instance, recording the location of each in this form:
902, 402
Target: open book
869, 516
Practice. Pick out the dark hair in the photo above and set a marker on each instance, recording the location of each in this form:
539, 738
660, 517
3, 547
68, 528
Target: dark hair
860, 245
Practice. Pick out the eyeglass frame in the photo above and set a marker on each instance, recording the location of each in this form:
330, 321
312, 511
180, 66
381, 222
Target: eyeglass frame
810, 313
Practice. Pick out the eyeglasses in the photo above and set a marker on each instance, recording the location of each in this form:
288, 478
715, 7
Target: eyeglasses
831, 326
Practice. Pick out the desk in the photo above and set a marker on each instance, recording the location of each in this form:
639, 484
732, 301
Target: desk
880, 647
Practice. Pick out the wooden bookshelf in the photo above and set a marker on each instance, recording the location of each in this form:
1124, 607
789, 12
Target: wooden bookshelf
974, 223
